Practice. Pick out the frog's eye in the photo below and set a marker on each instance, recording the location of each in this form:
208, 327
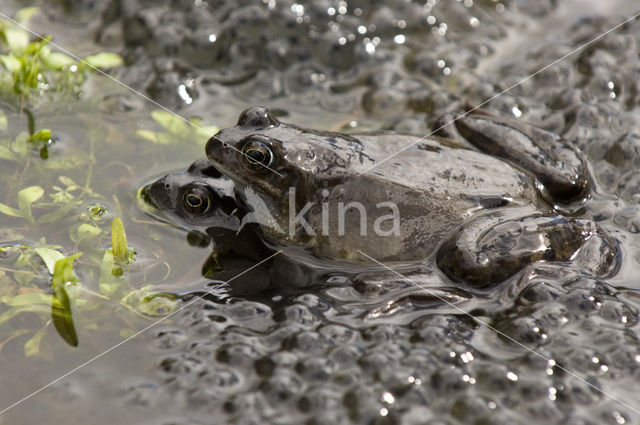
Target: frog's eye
196, 200
258, 155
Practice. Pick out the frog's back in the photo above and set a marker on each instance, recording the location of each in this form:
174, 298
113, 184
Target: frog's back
444, 169
434, 184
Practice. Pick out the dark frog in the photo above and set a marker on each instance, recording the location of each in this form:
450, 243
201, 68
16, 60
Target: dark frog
198, 197
482, 203
201, 201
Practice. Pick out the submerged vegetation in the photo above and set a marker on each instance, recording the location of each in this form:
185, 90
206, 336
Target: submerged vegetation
176, 129
78, 282
42, 281
34, 68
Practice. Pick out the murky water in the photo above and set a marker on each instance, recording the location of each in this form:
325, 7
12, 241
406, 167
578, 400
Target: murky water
338, 351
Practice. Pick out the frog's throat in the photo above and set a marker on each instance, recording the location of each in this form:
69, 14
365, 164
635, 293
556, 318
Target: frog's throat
259, 185
236, 177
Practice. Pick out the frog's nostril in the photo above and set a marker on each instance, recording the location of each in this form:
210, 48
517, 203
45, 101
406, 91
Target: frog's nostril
216, 144
219, 144
217, 149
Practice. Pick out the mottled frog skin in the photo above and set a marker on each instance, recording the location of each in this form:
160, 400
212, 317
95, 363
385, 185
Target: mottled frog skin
481, 202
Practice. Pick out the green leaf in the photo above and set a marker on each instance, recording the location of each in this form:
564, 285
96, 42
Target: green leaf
57, 61
32, 347
10, 62
4, 123
68, 182
104, 60
6, 209
172, 123
27, 299
61, 304
155, 137
63, 272
13, 312
56, 215
109, 282
6, 153
62, 318
50, 257
23, 16
207, 130
26, 197
23, 278
176, 129
158, 304
87, 232
20, 143
17, 39
119, 241
42, 135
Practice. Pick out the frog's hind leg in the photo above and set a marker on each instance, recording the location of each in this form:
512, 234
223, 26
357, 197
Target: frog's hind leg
482, 252
559, 168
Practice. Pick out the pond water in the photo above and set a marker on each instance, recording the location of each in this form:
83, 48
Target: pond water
335, 351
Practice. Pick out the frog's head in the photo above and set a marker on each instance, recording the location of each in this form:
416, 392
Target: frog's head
249, 154
268, 159
197, 197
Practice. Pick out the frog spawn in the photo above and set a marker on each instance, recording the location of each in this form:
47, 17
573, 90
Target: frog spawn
585, 314
319, 367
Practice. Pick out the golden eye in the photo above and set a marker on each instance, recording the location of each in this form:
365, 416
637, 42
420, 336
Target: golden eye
196, 200
258, 155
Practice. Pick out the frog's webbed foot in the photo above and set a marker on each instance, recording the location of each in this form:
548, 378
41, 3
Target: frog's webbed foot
556, 165
494, 247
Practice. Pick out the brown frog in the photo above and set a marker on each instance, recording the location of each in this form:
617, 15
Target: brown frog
482, 204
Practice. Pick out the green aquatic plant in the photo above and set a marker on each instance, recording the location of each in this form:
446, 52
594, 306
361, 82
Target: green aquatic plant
176, 129
26, 197
67, 295
112, 278
121, 252
62, 203
28, 298
30, 69
18, 149
85, 276
40, 141
61, 315
34, 68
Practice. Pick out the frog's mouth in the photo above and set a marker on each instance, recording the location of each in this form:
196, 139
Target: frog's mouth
242, 183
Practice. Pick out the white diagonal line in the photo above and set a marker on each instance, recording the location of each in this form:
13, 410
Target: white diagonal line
549, 361
127, 87
502, 92
209, 292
